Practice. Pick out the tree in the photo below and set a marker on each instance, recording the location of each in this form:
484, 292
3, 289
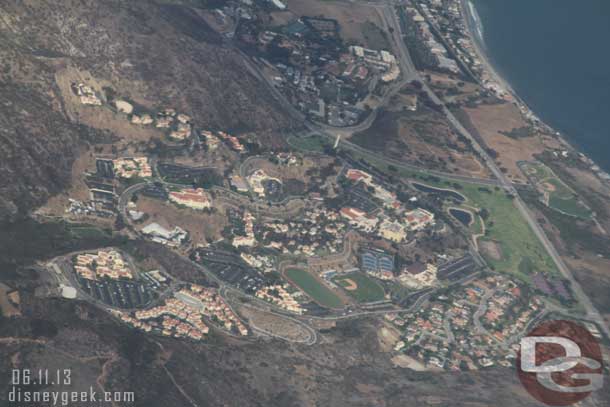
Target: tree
484, 213
119, 224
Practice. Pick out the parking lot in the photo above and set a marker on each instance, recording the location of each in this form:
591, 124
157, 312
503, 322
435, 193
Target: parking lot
457, 269
205, 177
357, 197
232, 270
118, 293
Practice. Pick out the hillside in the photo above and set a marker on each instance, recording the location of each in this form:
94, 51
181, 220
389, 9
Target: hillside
153, 53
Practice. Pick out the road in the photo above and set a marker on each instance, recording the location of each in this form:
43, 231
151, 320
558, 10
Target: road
408, 67
481, 310
63, 273
348, 145
408, 74
311, 338
592, 312
126, 195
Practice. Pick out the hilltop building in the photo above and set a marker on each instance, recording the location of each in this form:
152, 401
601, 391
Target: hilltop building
359, 218
418, 219
194, 198
159, 234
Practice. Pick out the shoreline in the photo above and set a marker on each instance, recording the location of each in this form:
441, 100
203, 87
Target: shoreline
479, 47
467, 8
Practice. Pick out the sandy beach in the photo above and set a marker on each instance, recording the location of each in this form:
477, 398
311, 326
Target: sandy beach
478, 43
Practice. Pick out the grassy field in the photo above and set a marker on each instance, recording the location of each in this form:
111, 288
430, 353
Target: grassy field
312, 143
89, 232
558, 195
476, 227
312, 287
367, 290
570, 207
509, 231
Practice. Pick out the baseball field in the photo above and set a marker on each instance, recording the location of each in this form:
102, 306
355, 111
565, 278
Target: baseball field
360, 287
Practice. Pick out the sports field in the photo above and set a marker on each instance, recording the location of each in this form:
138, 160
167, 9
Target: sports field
314, 288
360, 287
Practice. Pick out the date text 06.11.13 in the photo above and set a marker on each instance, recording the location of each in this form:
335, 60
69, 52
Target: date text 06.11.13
45, 377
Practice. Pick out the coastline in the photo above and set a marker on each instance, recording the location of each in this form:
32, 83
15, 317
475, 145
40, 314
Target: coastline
478, 42
479, 46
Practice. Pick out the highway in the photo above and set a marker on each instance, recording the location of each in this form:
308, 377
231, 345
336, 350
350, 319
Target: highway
592, 312
347, 145
408, 70
410, 73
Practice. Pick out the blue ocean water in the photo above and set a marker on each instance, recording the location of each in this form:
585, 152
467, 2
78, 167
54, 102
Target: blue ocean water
555, 55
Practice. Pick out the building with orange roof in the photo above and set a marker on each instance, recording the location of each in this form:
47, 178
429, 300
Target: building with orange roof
195, 198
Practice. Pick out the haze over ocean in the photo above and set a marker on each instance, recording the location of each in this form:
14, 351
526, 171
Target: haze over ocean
554, 53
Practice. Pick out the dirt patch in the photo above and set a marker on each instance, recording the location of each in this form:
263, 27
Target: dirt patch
202, 226
548, 186
275, 325
491, 249
9, 302
352, 18
407, 362
350, 284
388, 336
102, 117
490, 121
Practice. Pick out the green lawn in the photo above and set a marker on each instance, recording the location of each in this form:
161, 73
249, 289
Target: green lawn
507, 228
312, 143
367, 291
561, 190
562, 198
89, 232
476, 227
569, 206
312, 287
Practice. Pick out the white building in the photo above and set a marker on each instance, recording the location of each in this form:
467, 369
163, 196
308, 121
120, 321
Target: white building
159, 234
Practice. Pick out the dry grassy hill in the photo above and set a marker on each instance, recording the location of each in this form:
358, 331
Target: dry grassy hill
155, 53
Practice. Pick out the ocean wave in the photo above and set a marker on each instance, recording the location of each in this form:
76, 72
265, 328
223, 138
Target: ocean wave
477, 23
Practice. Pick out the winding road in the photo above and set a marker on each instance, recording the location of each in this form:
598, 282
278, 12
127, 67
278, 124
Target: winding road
409, 72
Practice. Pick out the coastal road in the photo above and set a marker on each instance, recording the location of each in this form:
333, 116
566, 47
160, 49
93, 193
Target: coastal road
592, 313
391, 20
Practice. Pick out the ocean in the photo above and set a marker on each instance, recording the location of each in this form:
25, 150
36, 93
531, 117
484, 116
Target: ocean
554, 54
